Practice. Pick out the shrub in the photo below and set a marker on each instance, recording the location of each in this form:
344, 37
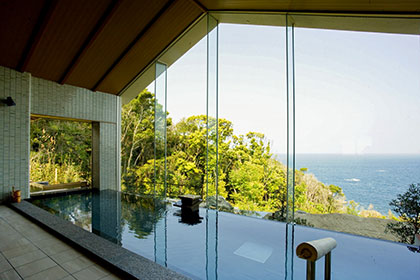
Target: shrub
407, 206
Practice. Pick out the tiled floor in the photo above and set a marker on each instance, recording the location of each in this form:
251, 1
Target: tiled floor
29, 252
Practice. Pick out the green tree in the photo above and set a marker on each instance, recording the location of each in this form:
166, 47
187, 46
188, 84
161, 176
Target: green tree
248, 175
62, 145
255, 180
137, 133
407, 206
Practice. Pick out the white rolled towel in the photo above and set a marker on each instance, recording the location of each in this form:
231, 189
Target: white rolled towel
314, 250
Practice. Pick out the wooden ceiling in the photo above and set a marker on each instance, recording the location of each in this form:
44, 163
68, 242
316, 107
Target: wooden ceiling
96, 44
104, 44
345, 6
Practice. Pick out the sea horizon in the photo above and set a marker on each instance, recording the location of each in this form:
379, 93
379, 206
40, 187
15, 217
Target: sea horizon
368, 179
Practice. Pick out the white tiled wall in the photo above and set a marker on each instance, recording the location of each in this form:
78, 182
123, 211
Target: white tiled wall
53, 99
107, 161
42, 97
14, 132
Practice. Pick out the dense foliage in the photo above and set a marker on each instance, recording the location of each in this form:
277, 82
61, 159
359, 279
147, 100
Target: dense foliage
63, 147
407, 206
249, 177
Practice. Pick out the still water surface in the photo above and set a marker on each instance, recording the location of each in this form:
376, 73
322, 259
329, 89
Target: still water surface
220, 245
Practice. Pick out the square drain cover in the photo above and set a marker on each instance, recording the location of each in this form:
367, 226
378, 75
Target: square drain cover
253, 251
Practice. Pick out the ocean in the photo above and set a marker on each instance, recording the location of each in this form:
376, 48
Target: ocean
366, 179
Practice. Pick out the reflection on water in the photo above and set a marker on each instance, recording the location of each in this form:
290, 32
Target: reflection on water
76, 208
106, 213
219, 245
189, 217
141, 213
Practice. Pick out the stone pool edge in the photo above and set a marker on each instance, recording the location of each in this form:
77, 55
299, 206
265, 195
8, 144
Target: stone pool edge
119, 258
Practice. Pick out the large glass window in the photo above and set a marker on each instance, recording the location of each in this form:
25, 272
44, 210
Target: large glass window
356, 95
307, 123
356, 119
187, 123
252, 110
137, 143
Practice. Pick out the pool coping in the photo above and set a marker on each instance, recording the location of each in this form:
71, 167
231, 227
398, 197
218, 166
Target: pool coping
120, 259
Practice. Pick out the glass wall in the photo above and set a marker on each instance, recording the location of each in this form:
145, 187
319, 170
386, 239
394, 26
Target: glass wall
356, 96
252, 117
252, 144
308, 124
160, 142
356, 92
138, 142
187, 124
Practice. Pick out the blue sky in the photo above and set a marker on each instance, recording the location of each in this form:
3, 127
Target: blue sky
356, 92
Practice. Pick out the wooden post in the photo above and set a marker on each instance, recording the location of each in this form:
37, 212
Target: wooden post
328, 266
312, 251
310, 270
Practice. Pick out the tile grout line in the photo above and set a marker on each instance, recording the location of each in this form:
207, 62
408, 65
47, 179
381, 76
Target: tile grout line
131, 265
48, 256
1, 253
11, 266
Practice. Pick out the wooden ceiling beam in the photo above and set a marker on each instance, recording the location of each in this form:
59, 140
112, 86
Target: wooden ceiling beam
199, 5
99, 27
134, 42
36, 35
142, 71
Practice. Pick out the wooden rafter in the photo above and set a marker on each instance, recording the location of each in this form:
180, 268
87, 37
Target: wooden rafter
199, 5
36, 35
134, 42
99, 27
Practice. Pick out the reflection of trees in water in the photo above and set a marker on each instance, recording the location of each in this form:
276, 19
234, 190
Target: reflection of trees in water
141, 213
76, 208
